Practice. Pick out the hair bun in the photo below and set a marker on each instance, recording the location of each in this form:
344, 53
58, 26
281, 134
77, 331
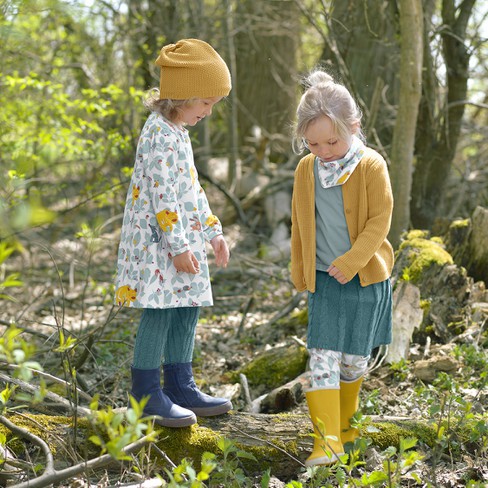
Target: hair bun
318, 77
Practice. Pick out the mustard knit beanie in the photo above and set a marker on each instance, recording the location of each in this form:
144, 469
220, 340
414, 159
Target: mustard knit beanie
192, 69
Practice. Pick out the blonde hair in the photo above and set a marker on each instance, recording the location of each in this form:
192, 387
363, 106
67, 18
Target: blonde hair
170, 109
324, 96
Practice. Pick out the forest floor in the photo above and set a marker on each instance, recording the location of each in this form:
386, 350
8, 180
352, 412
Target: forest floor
69, 283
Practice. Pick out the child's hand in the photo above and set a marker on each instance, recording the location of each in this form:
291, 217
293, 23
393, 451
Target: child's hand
187, 263
221, 251
337, 274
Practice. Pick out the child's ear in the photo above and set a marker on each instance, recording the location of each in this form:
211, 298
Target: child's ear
355, 128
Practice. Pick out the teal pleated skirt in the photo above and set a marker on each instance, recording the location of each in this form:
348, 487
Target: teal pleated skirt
349, 318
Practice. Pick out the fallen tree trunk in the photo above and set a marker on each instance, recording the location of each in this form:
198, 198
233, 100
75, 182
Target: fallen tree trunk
280, 442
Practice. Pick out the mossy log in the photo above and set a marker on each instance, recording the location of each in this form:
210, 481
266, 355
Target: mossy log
280, 442
272, 368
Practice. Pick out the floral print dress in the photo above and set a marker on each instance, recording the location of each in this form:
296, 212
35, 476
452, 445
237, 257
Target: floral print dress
166, 213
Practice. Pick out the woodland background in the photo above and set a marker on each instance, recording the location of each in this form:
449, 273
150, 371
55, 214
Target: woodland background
72, 80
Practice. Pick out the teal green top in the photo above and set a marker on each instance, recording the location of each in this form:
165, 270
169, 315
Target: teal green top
331, 227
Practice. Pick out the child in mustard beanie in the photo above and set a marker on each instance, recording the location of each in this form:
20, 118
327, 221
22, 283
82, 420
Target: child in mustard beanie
162, 264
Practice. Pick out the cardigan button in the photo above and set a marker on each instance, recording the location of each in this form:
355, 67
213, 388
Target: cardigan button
348, 210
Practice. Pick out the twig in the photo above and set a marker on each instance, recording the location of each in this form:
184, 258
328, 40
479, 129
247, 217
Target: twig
248, 306
55, 379
50, 395
269, 444
150, 483
163, 455
299, 341
24, 329
292, 304
379, 359
233, 199
245, 387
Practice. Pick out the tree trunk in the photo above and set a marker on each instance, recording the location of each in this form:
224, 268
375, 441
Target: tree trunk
436, 143
411, 26
362, 50
266, 43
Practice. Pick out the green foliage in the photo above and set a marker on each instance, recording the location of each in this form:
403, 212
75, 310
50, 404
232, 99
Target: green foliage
115, 431
47, 135
12, 279
400, 369
223, 469
475, 361
14, 350
400, 461
184, 475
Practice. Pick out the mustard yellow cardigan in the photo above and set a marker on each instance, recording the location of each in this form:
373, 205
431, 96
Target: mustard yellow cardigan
368, 205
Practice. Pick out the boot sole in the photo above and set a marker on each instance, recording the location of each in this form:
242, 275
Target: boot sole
211, 411
323, 461
181, 422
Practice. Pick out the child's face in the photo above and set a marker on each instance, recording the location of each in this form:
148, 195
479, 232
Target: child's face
192, 114
323, 141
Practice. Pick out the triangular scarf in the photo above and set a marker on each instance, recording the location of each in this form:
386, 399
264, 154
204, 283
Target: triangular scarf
334, 173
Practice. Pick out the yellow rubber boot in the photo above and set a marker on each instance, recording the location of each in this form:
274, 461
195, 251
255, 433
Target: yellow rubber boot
349, 399
325, 414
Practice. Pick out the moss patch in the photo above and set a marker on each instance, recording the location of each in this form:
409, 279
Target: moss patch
385, 434
461, 223
193, 441
276, 367
45, 427
422, 253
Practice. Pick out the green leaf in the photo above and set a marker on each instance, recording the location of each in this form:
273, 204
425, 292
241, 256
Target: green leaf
96, 440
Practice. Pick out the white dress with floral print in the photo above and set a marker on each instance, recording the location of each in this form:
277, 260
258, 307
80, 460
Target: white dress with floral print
166, 213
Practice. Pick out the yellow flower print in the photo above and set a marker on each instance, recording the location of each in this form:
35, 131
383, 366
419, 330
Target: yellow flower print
211, 221
125, 294
136, 191
166, 220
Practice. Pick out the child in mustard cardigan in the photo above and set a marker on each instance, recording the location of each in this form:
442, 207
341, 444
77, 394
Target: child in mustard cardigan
341, 213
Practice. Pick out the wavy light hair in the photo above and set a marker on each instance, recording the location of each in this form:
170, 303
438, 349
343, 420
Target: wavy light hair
324, 96
170, 109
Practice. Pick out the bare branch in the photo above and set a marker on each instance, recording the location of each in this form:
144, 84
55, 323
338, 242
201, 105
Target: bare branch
65, 404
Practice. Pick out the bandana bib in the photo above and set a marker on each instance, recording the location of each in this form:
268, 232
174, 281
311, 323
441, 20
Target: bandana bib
335, 173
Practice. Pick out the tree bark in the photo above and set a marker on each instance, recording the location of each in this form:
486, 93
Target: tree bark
362, 51
438, 134
266, 43
411, 26
279, 442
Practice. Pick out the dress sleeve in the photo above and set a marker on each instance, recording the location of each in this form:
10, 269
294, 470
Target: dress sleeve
211, 225
163, 175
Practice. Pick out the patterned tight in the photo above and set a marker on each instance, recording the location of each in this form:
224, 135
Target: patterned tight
329, 368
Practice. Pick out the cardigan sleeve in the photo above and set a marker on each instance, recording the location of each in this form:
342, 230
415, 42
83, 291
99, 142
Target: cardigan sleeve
375, 230
297, 276
303, 227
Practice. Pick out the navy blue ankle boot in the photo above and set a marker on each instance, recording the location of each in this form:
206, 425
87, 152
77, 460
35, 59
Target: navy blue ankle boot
146, 382
182, 390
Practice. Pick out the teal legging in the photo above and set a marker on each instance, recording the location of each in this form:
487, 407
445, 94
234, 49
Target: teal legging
165, 334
